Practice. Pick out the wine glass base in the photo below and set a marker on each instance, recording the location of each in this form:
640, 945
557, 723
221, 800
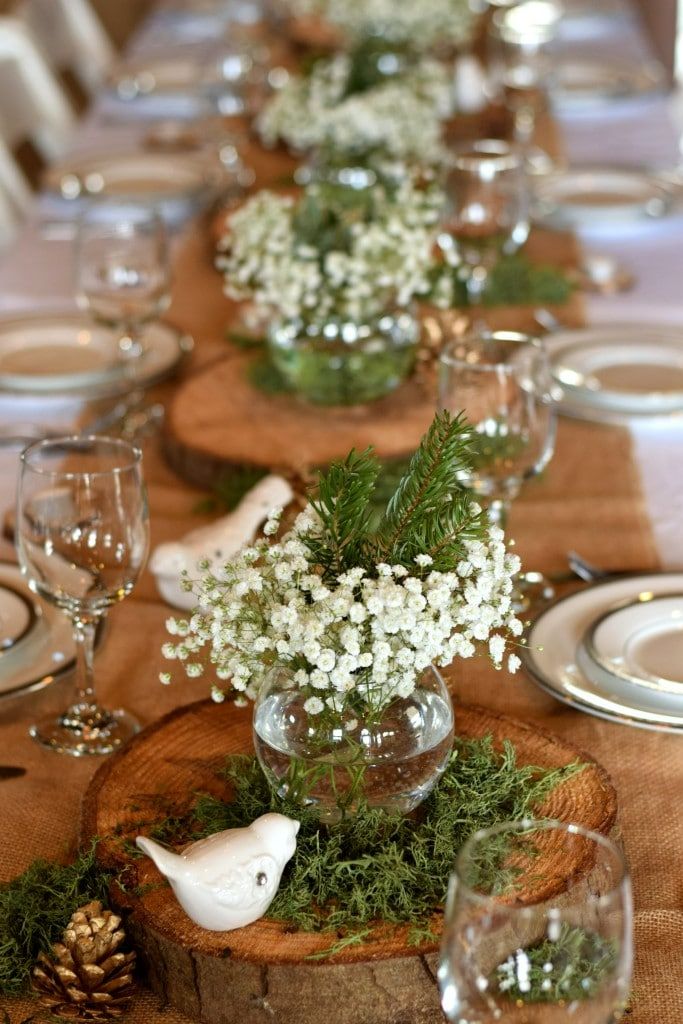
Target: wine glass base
81, 731
530, 589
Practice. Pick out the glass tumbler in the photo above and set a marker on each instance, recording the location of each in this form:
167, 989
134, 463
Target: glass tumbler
538, 928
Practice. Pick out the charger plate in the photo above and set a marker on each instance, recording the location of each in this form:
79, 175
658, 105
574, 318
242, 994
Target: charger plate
557, 662
45, 650
67, 354
602, 195
623, 369
642, 643
161, 76
133, 177
582, 84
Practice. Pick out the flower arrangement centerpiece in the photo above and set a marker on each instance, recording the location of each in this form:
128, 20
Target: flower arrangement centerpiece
335, 271
426, 25
362, 103
337, 629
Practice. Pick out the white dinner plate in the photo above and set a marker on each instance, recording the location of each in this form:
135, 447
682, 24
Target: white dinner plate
642, 642
155, 76
131, 177
555, 658
602, 195
67, 354
44, 652
583, 84
17, 617
622, 369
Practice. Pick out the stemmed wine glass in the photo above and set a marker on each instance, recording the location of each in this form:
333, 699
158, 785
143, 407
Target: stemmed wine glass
501, 381
520, 41
82, 539
538, 927
122, 270
487, 208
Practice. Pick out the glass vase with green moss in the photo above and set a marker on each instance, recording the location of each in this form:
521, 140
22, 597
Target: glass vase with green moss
342, 362
388, 756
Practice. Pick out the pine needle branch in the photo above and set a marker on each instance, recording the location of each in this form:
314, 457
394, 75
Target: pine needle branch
430, 512
343, 505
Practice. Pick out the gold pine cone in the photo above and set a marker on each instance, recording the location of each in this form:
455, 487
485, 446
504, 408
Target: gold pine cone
87, 977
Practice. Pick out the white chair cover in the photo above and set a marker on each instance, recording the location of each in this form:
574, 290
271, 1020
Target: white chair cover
33, 104
71, 36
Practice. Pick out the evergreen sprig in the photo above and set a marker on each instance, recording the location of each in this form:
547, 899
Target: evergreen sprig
430, 511
342, 502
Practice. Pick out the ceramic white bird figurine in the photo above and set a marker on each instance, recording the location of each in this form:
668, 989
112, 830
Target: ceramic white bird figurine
216, 542
229, 879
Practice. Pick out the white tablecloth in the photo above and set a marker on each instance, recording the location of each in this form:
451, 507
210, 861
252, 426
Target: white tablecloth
37, 272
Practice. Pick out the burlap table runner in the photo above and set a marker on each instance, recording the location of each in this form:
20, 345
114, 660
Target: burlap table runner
588, 499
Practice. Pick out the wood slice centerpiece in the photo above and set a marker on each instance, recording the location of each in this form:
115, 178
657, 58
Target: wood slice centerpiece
218, 420
264, 973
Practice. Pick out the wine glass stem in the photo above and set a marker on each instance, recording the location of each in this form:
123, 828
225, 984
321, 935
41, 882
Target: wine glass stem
84, 637
476, 286
524, 126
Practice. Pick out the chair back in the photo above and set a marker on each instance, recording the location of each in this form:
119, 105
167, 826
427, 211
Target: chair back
33, 105
71, 37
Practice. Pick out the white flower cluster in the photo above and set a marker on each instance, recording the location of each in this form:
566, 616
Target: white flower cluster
401, 117
387, 261
369, 635
422, 25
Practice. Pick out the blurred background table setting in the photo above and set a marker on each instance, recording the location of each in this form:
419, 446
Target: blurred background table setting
239, 240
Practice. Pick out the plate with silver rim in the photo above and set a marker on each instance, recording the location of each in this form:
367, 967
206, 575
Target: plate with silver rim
44, 652
641, 641
603, 196
131, 177
67, 354
583, 84
621, 369
556, 660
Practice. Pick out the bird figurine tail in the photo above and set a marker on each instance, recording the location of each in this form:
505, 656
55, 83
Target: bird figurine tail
170, 864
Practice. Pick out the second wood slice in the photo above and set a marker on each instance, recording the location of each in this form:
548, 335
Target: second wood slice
264, 972
218, 420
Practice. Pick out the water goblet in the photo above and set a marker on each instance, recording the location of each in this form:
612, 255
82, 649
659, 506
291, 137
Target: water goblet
82, 539
538, 927
520, 56
122, 270
487, 208
501, 380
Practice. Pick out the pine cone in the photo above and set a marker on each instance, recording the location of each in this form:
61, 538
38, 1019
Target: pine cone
87, 977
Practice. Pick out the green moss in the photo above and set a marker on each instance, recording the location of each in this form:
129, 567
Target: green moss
377, 866
35, 908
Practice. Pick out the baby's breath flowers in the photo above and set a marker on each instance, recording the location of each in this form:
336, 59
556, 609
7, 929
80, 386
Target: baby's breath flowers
423, 25
358, 616
400, 115
335, 251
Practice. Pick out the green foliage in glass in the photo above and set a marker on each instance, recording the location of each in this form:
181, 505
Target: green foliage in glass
571, 968
516, 281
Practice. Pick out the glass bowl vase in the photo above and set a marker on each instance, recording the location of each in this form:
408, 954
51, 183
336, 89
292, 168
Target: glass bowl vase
343, 362
338, 761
